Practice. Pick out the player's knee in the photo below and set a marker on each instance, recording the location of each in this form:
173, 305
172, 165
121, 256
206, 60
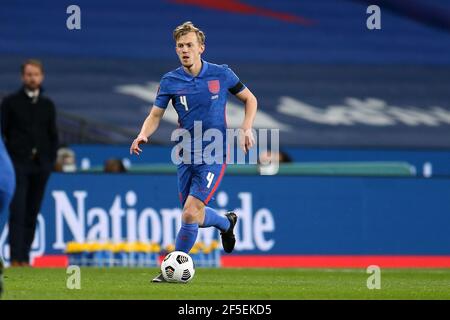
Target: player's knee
190, 214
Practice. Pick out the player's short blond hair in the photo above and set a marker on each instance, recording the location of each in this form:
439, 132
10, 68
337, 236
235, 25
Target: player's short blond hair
187, 27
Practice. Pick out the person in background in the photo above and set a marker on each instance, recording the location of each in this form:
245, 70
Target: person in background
114, 166
65, 160
268, 162
268, 157
28, 122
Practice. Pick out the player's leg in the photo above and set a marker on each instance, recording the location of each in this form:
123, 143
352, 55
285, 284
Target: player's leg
7, 187
215, 219
184, 175
5, 198
205, 183
1, 277
192, 209
224, 223
193, 212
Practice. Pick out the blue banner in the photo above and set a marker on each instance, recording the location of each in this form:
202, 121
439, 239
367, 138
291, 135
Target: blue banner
277, 215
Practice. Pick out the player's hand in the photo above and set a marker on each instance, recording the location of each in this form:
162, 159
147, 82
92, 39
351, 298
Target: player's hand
246, 139
135, 145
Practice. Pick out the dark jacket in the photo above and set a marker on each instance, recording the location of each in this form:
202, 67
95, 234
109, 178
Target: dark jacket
29, 129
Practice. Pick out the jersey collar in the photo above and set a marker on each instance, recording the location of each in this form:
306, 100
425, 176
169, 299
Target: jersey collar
201, 74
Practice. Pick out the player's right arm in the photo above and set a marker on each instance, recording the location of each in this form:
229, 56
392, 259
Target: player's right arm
149, 126
151, 123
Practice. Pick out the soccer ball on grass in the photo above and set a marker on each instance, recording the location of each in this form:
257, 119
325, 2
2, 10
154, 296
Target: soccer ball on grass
178, 266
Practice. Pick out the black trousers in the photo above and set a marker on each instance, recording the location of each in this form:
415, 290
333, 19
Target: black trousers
25, 205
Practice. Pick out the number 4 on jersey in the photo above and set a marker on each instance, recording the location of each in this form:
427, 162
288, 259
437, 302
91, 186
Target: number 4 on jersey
183, 101
210, 178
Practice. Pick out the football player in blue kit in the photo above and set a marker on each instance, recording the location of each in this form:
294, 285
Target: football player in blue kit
7, 186
198, 91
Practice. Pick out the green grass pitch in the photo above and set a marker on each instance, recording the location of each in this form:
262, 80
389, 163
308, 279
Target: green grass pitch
134, 283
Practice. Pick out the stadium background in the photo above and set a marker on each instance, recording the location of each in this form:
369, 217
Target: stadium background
338, 92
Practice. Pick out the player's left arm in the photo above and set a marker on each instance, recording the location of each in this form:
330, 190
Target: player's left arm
247, 140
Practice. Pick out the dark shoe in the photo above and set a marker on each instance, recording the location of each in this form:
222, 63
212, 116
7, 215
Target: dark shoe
159, 278
16, 263
228, 238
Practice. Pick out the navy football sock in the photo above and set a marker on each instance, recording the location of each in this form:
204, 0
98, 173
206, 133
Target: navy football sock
186, 237
213, 218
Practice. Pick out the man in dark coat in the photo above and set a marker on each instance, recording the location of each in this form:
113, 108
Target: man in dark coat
28, 124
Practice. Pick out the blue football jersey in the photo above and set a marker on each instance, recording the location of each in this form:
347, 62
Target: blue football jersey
201, 98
